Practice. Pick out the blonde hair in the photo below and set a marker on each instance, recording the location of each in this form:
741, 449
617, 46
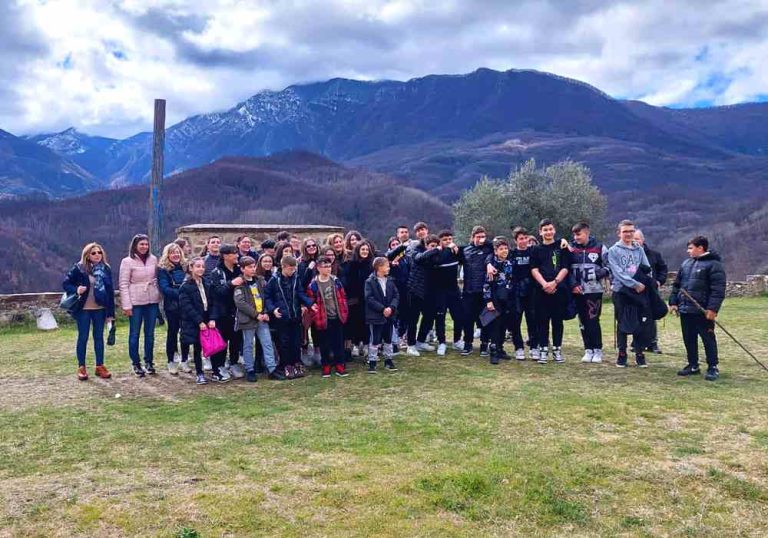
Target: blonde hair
85, 258
167, 264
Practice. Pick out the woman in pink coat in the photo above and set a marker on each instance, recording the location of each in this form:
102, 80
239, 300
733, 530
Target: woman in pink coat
139, 299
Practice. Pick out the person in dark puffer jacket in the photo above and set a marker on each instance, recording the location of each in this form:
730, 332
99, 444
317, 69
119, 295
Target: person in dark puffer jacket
400, 268
473, 260
659, 270
423, 256
170, 276
381, 303
703, 277
196, 312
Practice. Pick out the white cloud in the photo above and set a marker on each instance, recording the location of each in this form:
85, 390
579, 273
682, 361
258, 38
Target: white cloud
98, 65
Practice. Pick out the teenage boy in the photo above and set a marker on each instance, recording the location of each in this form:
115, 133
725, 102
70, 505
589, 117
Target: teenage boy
521, 259
253, 320
403, 234
659, 270
381, 302
473, 261
447, 296
330, 314
549, 268
702, 276
498, 295
212, 256
625, 259
224, 279
286, 302
420, 291
588, 270
268, 247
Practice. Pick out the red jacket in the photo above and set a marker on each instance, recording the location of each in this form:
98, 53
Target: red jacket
320, 318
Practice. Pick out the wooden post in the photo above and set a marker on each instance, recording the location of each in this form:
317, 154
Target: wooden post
155, 187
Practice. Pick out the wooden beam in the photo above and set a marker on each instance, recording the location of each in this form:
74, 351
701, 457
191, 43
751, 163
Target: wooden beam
155, 225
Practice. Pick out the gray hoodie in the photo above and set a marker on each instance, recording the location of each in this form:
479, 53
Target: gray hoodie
624, 262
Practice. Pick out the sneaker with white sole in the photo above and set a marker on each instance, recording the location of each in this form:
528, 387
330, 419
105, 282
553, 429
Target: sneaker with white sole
237, 371
588, 355
432, 337
177, 357
173, 368
597, 355
476, 334
458, 345
520, 354
207, 366
185, 367
224, 375
534, 353
441, 350
558, 355
355, 351
201, 380
413, 352
423, 346
543, 355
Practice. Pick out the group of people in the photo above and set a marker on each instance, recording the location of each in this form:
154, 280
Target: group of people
294, 304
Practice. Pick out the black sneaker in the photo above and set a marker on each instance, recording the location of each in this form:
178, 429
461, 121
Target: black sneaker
371, 367
468, 349
390, 365
494, 358
483, 349
150, 368
712, 374
654, 348
640, 360
689, 370
216, 376
621, 360
200, 379
503, 355
277, 376
251, 376
138, 370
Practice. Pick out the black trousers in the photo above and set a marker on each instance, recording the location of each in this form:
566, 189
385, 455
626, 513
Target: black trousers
331, 343
473, 304
695, 326
380, 333
424, 308
589, 308
639, 337
197, 354
172, 338
289, 342
498, 329
448, 301
516, 323
549, 310
234, 339
403, 312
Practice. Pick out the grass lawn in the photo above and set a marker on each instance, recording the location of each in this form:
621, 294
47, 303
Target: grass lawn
444, 447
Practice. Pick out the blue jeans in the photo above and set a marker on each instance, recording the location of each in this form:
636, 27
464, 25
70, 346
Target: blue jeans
146, 314
265, 339
86, 318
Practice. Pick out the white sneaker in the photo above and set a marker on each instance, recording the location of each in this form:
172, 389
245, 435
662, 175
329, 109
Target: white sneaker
177, 357
557, 355
588, 354
534, 353
185, 367
458, 345
543, 355
441, 350
355, 351
207, 366
597, 355
423, 346
224, 373
476, 333
432, 337
173, 368
413, 351
520, 354
236, 371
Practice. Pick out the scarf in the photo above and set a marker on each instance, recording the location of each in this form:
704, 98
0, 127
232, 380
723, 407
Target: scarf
99, 272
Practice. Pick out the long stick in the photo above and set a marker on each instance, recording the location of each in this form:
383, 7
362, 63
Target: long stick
696, 303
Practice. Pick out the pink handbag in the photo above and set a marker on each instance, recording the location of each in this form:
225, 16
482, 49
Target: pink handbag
211, 342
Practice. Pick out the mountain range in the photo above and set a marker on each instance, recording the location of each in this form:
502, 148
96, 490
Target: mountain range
675, 171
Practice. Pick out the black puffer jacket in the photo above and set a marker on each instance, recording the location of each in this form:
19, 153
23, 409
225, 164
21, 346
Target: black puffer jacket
658, 265
192, 312
223, 292
421, 266
704, 279
473, 260
169, 282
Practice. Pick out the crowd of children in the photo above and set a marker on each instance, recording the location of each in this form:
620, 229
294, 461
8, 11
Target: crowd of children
292, 305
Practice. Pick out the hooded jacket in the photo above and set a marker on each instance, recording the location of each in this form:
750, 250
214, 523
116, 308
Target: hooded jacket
704, 279
588, 266
623, 262
222, 290
192, 312
422, 260
376, 301
286, 294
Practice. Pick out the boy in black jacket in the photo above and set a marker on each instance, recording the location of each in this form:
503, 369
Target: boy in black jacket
447, 295
286, 303
498, 295
223, 280
381, 302
521, 260
473, 260
702, 276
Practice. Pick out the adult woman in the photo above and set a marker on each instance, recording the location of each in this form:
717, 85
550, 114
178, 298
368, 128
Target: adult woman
307, 271
358, 269
140, 298
91, 280
170, 276
351, 240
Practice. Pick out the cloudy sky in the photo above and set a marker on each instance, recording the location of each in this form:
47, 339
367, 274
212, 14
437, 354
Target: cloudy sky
97, 65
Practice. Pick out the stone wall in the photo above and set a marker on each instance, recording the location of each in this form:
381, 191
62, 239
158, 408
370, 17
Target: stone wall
753, 286
197, 234
21, 308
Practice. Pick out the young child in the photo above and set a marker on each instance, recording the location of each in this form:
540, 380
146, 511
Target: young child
253, 320
286, 302
702, 276
381, 302
498, 295
195, 307
330, 314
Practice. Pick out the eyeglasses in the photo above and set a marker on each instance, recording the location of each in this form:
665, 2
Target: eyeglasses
96, 252
311, 246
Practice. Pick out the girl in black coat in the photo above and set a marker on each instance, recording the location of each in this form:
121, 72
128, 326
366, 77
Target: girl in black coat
170, 276
195, 305
357, 270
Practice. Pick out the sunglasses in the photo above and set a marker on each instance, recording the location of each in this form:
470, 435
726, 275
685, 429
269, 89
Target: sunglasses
94, 253
311, 246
